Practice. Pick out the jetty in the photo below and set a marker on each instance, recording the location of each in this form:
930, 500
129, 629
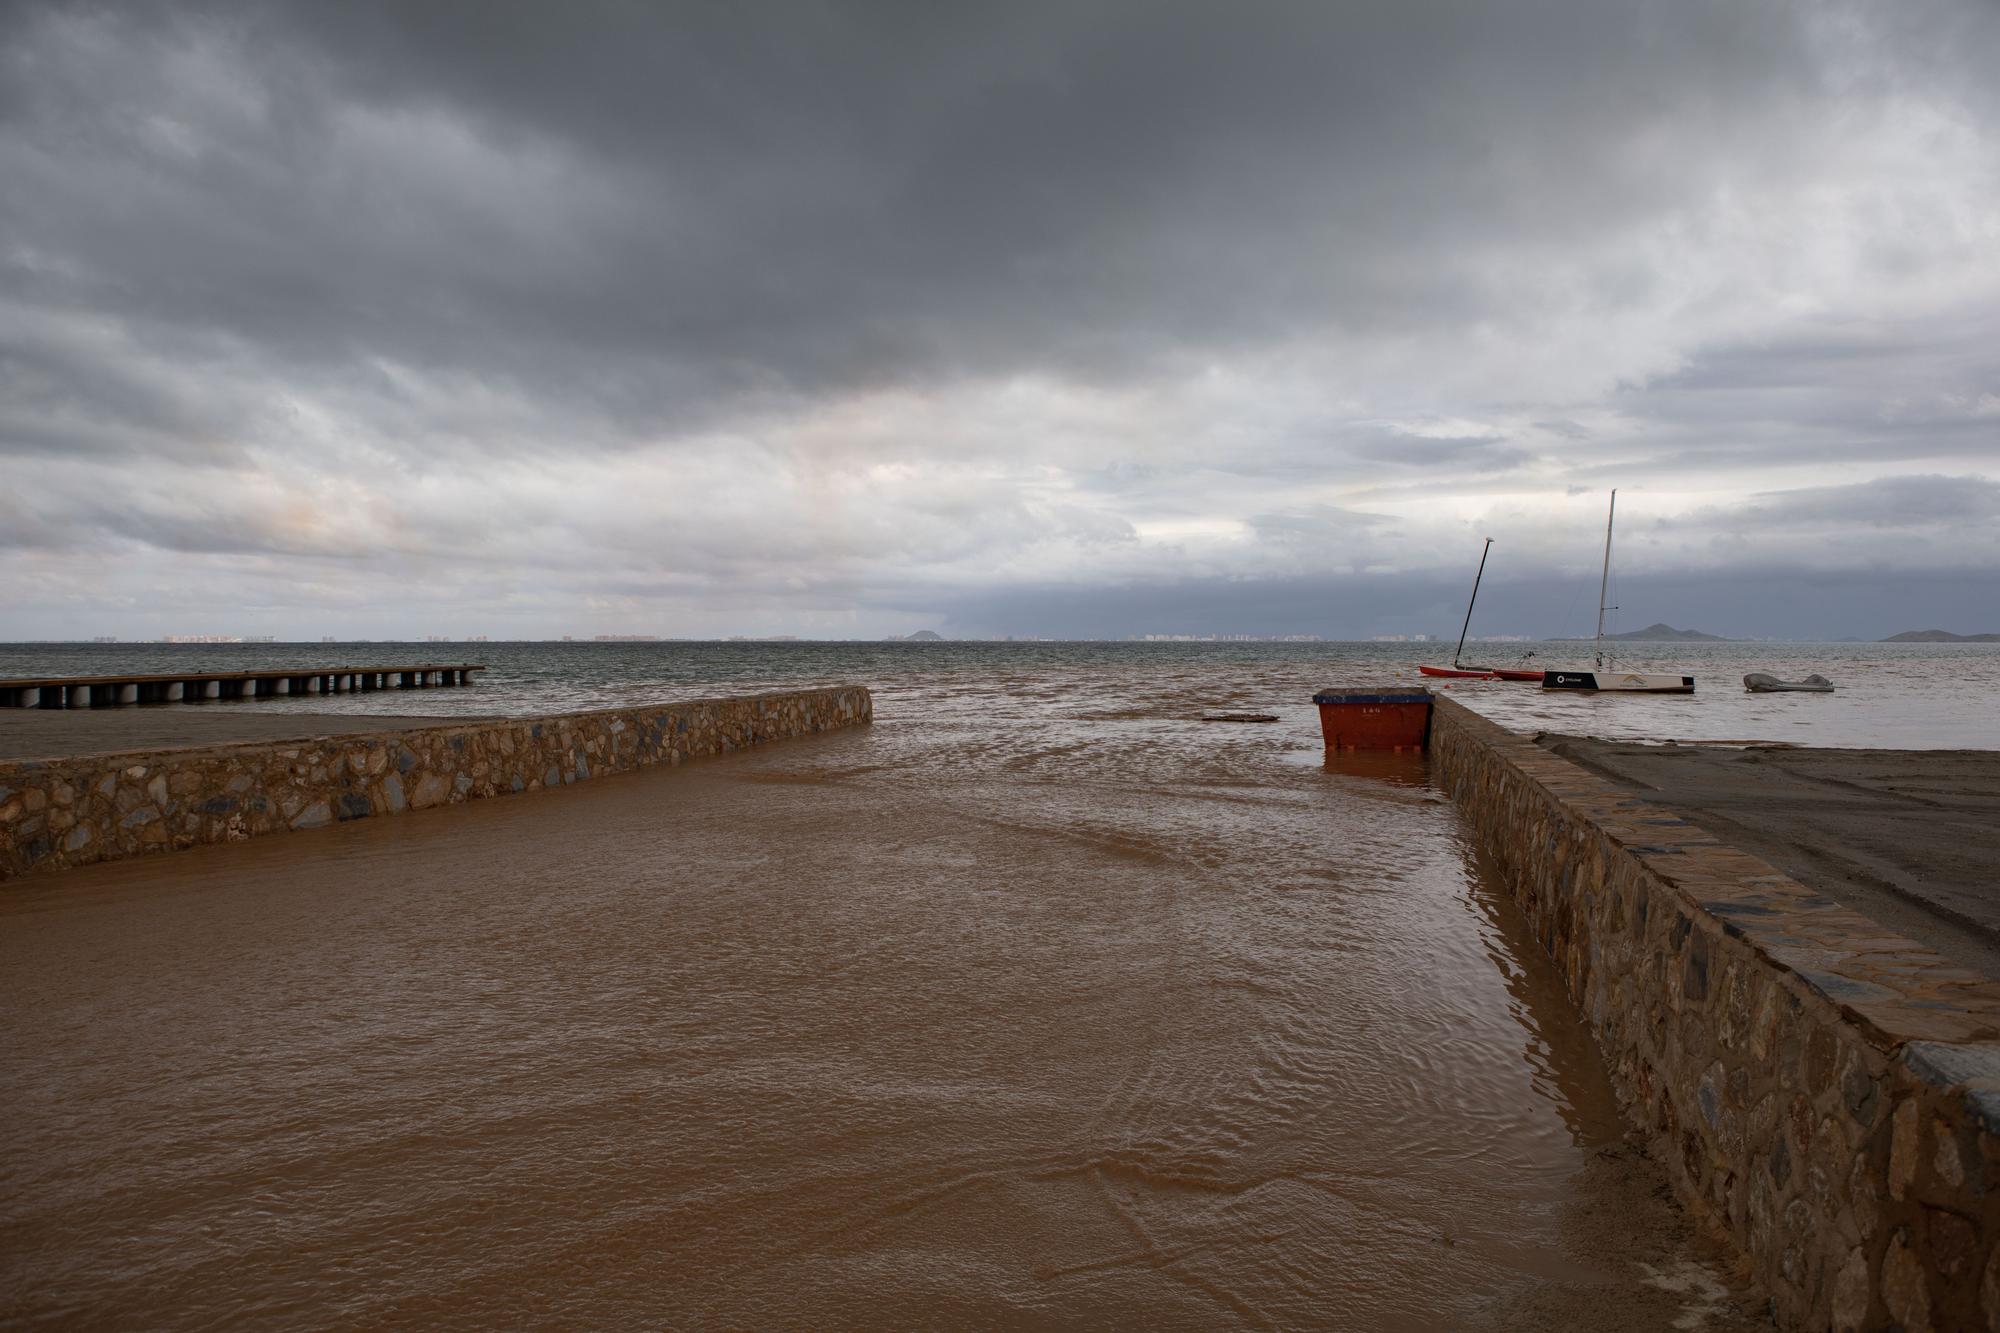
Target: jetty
190, 687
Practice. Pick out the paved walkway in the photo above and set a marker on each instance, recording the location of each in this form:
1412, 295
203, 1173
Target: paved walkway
47, 733
1908, 837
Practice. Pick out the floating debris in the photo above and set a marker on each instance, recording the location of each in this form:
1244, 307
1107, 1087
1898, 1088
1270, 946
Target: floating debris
1240, 717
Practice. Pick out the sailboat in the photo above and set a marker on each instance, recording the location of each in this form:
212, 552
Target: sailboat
1602, 677
1476, 673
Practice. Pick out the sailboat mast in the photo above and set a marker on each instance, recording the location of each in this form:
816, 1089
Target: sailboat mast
1604, 582
1470, 604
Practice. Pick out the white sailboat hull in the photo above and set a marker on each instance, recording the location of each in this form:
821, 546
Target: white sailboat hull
1627, 682
1604, 680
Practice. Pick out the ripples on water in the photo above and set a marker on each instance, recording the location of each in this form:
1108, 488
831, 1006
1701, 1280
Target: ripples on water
1036, 1004
1911, 696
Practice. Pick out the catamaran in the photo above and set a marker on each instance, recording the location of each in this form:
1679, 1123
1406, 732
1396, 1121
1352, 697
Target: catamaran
1477, 673
1602, 677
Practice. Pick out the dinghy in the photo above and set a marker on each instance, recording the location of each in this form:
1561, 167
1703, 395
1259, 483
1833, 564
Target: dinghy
1601, 677
1759, 683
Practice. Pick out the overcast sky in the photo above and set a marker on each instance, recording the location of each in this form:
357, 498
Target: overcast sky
1079, 318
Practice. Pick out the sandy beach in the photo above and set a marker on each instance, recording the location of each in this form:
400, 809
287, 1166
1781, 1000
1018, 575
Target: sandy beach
1906, 837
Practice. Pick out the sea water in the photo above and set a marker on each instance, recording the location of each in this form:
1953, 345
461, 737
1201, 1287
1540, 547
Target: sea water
1901, 696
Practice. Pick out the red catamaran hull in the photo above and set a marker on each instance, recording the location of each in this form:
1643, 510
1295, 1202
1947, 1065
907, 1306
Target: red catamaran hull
1482, 673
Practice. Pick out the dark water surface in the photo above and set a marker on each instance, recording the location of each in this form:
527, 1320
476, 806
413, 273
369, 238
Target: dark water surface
1035, 1004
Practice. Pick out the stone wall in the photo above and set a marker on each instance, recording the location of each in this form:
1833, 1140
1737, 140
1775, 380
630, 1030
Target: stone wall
69, 812
1830, 1092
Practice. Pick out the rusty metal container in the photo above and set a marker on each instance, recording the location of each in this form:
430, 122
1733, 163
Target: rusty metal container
1379, 719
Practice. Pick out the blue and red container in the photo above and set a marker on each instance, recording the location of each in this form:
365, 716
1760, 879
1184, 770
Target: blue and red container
1374, 719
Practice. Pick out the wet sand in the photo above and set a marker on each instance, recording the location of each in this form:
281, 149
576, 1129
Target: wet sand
1907, 837
1033, 1013
37, 733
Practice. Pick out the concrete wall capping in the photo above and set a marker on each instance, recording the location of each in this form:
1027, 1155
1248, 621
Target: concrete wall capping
70, 812
1826, 1090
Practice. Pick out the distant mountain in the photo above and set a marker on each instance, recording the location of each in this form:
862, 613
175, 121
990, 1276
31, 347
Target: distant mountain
1664, 633
1939, 636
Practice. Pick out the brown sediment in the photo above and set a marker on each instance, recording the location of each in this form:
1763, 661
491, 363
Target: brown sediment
930, 1024
1908, 837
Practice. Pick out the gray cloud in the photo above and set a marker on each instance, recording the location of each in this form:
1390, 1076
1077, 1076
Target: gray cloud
1889, 502
721, 318
1316, 528
793, 200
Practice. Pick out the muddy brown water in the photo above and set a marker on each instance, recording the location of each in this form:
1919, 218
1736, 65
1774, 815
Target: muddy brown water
1022, 1008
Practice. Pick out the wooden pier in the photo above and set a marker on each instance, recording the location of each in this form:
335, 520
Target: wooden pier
191, 687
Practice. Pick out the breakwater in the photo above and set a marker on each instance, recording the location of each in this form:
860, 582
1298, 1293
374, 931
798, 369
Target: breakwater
69, 812
1825, 1089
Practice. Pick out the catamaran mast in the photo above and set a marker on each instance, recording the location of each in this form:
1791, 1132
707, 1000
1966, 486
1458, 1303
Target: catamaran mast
1469, 605
1604, 583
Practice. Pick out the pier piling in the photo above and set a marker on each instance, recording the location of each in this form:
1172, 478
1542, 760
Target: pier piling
202, 686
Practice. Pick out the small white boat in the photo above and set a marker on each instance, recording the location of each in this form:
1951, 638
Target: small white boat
1635, 682
1759, 683
1601, 677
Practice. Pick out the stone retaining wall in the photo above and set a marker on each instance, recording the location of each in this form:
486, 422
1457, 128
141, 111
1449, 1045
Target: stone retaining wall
69, 812
1828, 1090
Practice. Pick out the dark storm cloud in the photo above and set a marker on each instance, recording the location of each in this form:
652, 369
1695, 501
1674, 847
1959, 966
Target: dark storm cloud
682, 201
853, 308
76, 391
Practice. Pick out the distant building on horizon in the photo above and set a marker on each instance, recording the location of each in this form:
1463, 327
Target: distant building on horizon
1227, 638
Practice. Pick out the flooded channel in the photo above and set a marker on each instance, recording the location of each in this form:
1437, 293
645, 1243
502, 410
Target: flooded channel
1030, 1006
